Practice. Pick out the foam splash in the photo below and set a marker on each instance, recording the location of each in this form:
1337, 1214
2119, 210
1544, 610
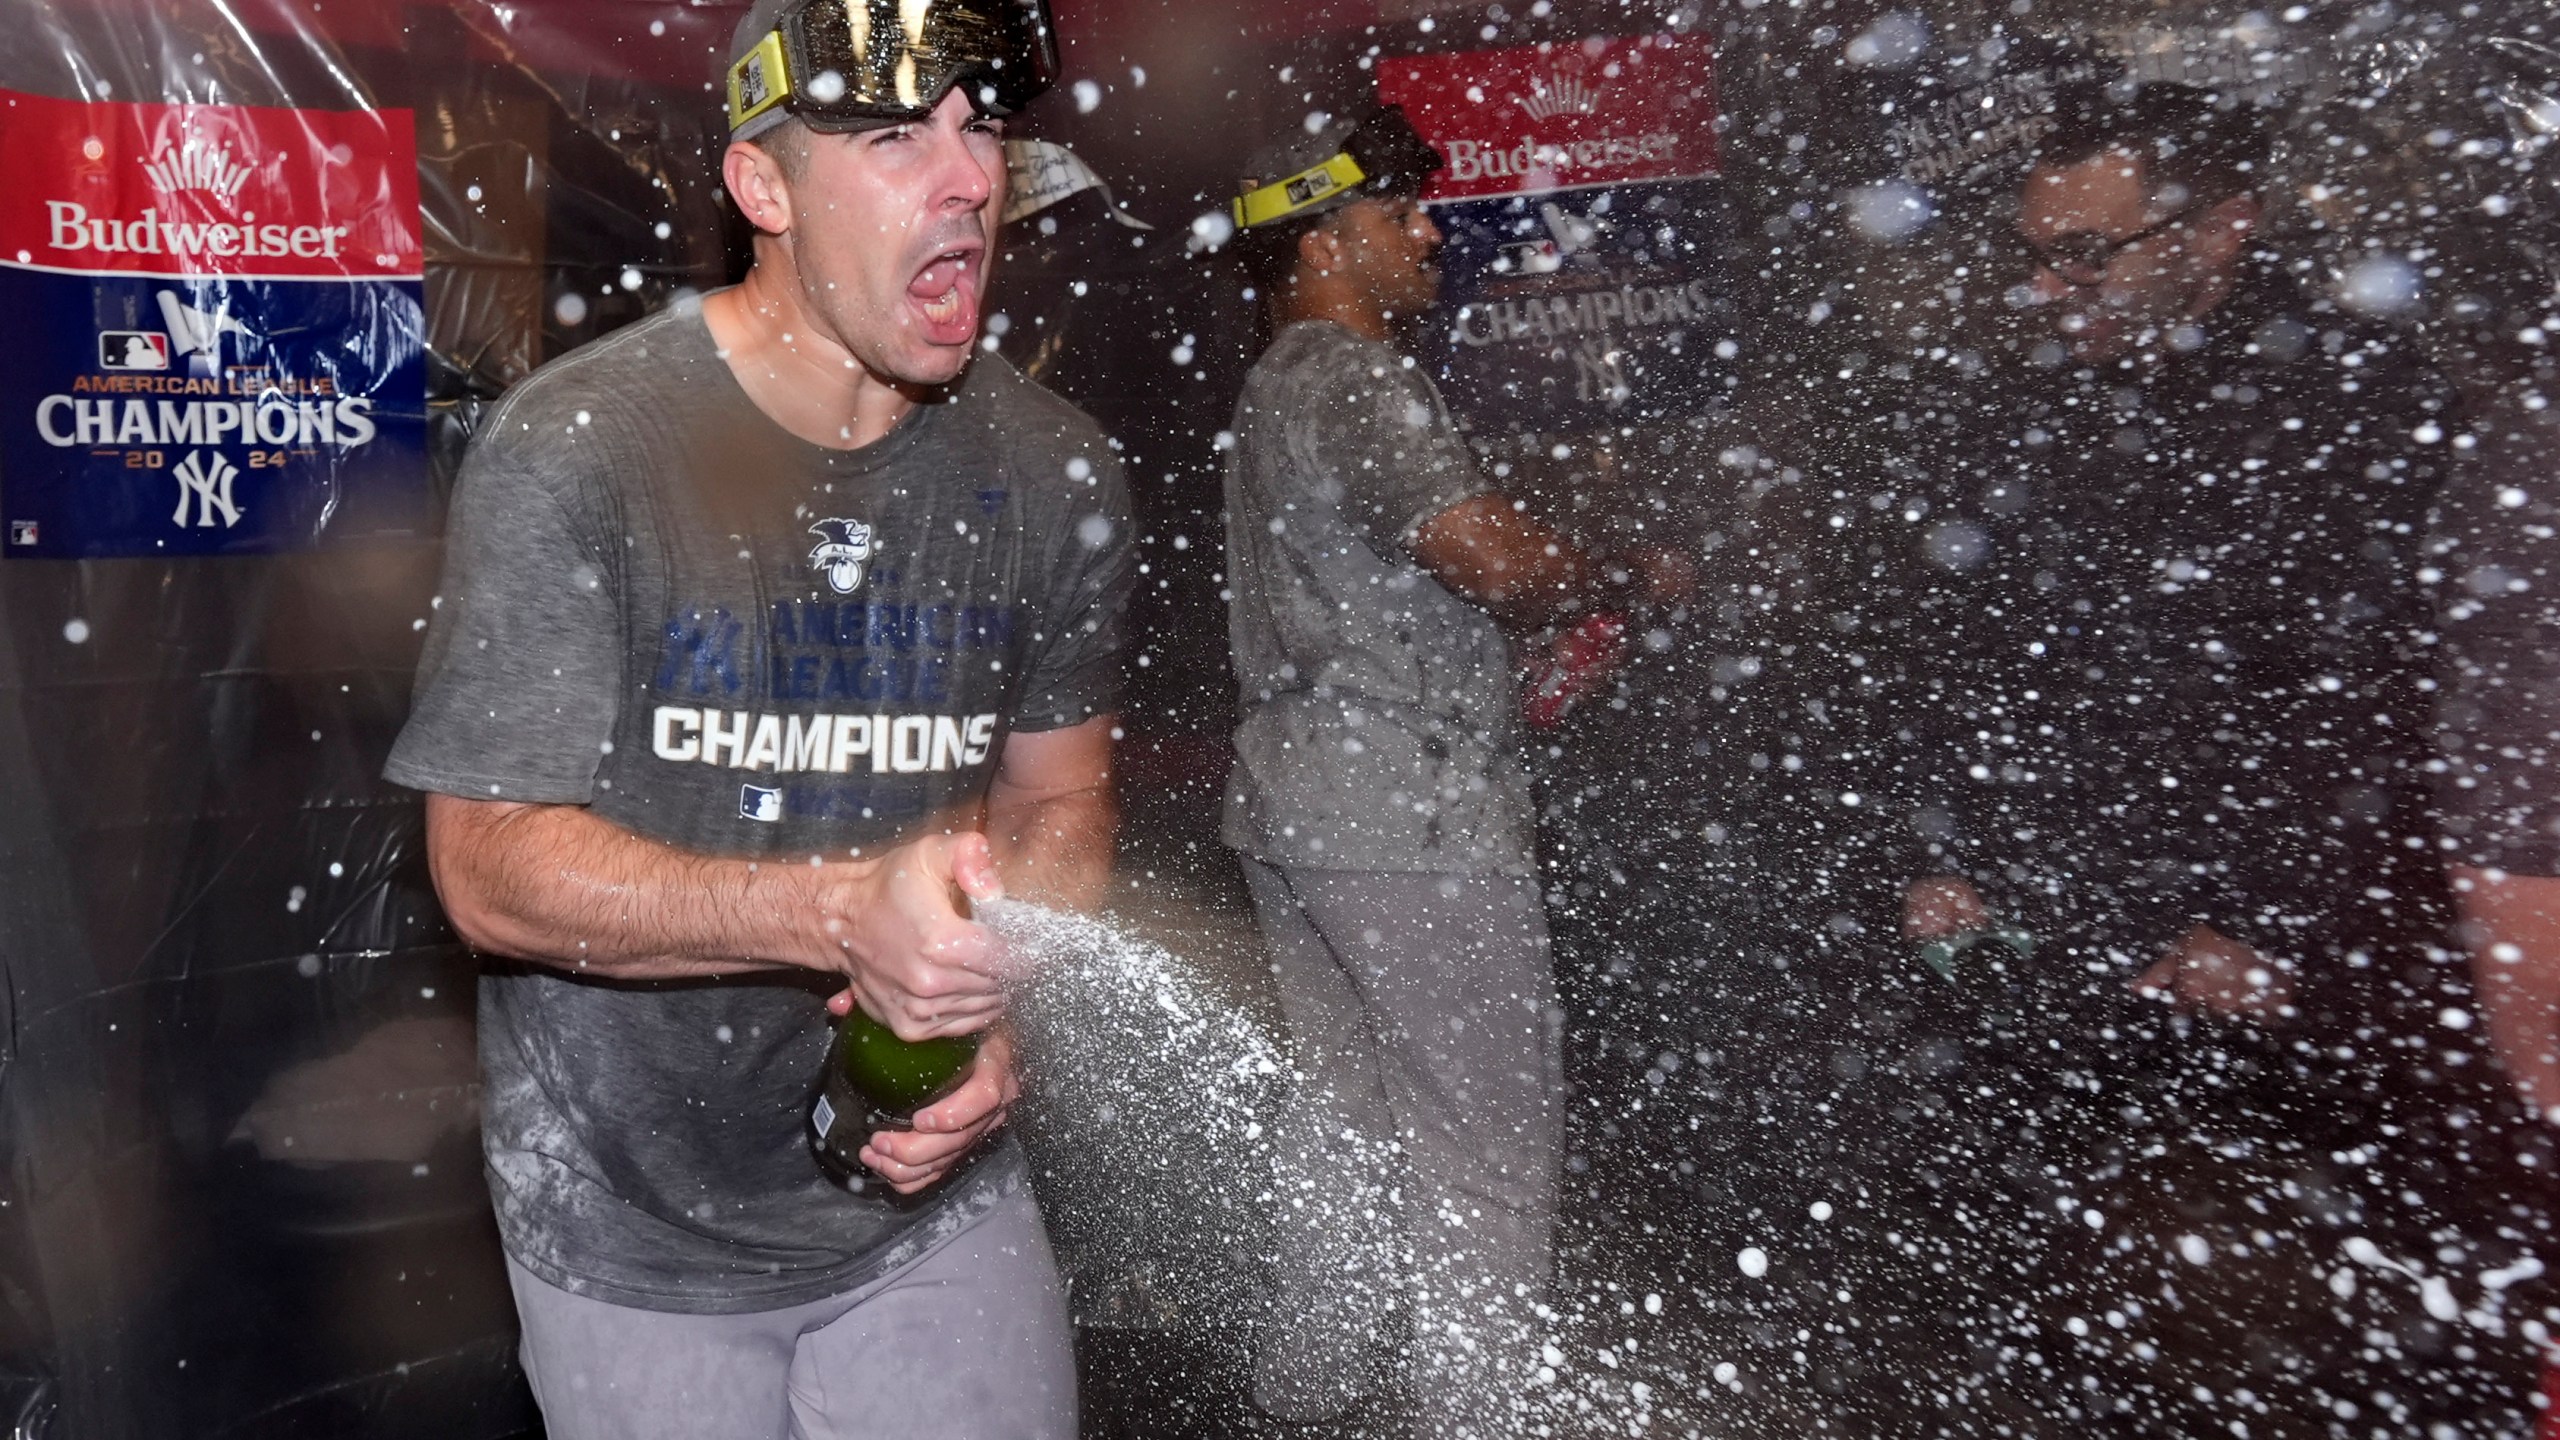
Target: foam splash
1181, 1177
1147, 1112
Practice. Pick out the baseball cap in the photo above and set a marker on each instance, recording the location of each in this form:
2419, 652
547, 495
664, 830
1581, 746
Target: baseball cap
1310, 172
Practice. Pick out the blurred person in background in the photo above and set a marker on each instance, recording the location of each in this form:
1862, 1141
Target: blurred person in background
2103, 623
2001, 561
681, 770
2500, 724
2499, 721
2499, 710
2178, 726
1378, 805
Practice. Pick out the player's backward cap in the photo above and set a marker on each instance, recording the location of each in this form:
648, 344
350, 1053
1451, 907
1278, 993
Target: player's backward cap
1309, 172
758, 22
751, 32
1300, 150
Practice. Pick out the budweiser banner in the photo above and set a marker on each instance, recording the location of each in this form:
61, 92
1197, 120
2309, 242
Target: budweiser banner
219, 328
1582, 228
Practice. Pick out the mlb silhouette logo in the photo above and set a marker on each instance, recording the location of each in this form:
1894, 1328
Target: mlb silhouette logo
755, 802
22, 532
133, 350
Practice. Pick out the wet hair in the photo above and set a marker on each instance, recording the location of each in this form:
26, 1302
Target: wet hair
2182, 135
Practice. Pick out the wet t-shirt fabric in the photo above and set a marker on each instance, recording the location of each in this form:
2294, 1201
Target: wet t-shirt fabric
660, 605
1377, 728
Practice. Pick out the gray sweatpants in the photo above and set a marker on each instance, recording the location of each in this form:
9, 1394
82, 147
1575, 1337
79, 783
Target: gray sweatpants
1422, 1013
970, 1341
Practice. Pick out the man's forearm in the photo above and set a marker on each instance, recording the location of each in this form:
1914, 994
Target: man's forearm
1056, 850
557, 885
1498, 557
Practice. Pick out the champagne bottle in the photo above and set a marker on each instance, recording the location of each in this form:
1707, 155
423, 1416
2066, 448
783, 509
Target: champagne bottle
1940, 954
876, 1081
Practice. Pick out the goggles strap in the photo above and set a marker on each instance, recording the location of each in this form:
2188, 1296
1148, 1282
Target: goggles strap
1283, 198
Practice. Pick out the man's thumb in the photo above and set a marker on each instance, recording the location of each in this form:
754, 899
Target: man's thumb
973, 868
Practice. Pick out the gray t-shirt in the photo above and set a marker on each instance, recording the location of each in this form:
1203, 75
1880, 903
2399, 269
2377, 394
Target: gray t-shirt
1378, 707
662, 606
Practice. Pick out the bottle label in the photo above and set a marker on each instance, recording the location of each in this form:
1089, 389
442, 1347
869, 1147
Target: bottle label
825, 1116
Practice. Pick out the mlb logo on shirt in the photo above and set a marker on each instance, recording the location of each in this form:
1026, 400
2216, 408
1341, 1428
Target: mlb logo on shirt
22, 532
755, 802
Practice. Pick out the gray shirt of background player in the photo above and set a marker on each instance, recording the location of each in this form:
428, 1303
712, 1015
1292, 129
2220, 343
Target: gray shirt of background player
634, 543
1377, 706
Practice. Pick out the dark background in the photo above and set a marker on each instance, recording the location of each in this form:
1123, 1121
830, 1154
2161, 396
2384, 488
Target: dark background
215, 920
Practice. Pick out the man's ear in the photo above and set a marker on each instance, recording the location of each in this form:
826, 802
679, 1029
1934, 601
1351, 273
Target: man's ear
755, 182
1320, 250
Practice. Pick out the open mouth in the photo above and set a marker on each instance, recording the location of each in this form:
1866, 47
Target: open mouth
945, 292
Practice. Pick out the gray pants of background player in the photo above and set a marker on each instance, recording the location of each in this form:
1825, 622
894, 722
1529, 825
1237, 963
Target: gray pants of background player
968, 1342
1422, 1016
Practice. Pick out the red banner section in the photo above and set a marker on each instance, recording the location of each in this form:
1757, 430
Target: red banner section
1561, 116
208, 190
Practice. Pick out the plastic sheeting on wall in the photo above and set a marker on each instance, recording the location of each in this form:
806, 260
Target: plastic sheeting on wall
244, 1193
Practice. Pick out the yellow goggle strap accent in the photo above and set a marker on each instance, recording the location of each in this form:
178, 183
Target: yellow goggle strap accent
1283, 198
759, 81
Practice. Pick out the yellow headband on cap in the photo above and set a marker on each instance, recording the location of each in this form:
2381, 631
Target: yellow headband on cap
1283, 198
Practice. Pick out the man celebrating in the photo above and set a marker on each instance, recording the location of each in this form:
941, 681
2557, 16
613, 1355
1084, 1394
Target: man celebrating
2171, 661
771, 626
1383, 820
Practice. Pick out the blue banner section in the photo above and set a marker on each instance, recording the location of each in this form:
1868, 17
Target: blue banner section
147, 415
1582, 307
